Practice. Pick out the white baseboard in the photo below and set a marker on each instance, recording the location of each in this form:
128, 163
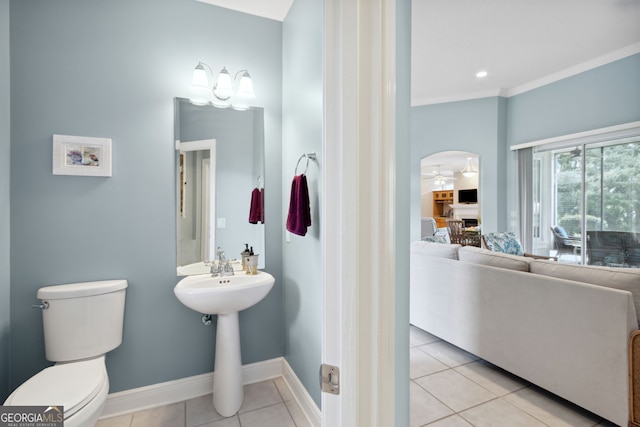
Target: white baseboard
138, 399
307, 404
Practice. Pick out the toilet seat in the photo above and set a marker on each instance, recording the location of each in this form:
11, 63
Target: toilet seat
72, 385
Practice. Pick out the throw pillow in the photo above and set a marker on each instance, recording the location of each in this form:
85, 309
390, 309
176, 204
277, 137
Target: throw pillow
506, 243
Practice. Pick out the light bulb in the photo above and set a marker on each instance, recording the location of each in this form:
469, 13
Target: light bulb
223, 89
199, 78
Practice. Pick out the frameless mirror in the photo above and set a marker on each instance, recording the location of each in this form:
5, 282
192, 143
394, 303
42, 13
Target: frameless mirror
219, 163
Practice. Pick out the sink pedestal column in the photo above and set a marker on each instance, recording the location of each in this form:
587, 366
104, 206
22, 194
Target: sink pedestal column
227, 377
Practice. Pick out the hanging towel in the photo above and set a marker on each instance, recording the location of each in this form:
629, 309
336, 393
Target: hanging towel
299, 217
256, 211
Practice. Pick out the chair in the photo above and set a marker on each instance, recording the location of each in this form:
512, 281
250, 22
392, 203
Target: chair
508, 243
605, 248
456, 232
564, 243
429, 227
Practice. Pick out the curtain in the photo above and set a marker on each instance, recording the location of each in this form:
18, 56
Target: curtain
525, 197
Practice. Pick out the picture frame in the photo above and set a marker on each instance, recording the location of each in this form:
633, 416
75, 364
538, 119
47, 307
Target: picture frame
81, 156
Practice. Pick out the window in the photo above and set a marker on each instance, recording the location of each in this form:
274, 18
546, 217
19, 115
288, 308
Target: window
593, 192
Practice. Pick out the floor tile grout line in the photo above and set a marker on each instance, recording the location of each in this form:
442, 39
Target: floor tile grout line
454, 368
432, 395
474, 406
485, 387
522, 385
278, 389
526, 412
497, 397
290, 414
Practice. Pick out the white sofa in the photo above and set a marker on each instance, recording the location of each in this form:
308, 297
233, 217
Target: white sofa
570, 337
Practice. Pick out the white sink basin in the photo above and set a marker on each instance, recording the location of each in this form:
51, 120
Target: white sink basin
225, 296
220, 295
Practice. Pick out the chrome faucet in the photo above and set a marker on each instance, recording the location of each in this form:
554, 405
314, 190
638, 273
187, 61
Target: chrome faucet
224, 265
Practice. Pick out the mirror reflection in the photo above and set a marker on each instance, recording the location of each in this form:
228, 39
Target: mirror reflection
219, 164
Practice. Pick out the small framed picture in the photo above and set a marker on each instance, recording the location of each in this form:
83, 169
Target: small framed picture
81, 155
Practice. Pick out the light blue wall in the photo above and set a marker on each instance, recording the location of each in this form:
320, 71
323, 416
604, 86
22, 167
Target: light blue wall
403, 203
605, 96
5, 137
476, 126
111, 69
302, 133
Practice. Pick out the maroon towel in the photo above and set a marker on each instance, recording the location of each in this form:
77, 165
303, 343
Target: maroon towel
256, 211
299, 217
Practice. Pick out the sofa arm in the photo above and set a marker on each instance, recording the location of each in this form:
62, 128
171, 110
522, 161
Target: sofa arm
634, 379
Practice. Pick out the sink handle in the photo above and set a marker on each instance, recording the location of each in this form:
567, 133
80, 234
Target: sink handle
216, 267
226, 269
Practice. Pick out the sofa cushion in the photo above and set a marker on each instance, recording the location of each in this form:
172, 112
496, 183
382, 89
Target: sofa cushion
475, 255
441, 250
626, 279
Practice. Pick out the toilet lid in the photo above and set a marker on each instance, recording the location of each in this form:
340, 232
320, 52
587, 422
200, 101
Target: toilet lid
71, 385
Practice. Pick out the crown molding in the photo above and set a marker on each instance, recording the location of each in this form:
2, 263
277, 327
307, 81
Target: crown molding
551, 78
593, 135
577, 69
459, 97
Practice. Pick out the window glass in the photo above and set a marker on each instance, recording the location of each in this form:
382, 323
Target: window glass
593, 192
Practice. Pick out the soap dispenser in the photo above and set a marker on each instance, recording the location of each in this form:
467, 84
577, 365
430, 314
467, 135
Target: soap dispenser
243, 256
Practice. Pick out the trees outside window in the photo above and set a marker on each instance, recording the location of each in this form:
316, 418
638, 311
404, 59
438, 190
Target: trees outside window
611, 187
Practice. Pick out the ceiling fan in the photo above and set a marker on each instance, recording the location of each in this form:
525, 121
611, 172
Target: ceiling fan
576, 152
437, 175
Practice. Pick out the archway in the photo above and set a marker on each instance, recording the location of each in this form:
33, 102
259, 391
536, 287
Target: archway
449, 189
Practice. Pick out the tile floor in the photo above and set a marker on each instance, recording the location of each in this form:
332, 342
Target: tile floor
266, 404
452, 388
449, 388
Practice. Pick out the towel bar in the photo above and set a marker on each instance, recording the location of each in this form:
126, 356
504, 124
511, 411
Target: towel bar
311, 156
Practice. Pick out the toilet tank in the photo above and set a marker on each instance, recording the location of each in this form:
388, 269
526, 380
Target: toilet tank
82, 320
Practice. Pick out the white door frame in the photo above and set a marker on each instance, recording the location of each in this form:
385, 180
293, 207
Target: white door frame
358, 218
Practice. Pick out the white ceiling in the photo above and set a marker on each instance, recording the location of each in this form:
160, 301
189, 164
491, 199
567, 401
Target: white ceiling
522, 44
446, 163
272, 9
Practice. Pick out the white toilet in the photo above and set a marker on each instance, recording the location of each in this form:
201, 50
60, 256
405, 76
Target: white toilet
82, 322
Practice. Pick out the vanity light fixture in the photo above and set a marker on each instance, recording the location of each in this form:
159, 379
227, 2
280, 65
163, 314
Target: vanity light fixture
481, 74
223, 92
469, 169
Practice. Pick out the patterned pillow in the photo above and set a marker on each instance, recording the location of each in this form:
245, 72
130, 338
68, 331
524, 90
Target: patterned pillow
435, 239
506, 242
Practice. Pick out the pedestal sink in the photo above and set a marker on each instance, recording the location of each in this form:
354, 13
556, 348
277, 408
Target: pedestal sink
225, 296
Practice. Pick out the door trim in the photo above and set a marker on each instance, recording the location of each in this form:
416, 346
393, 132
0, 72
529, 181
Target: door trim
358, 217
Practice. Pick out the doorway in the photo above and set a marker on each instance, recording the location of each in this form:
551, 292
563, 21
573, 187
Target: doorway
449, 189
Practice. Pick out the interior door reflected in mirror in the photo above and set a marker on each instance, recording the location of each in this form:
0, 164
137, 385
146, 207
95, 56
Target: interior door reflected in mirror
219, 164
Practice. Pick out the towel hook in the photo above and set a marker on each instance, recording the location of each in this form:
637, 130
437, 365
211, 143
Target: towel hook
259, 181
311, 156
